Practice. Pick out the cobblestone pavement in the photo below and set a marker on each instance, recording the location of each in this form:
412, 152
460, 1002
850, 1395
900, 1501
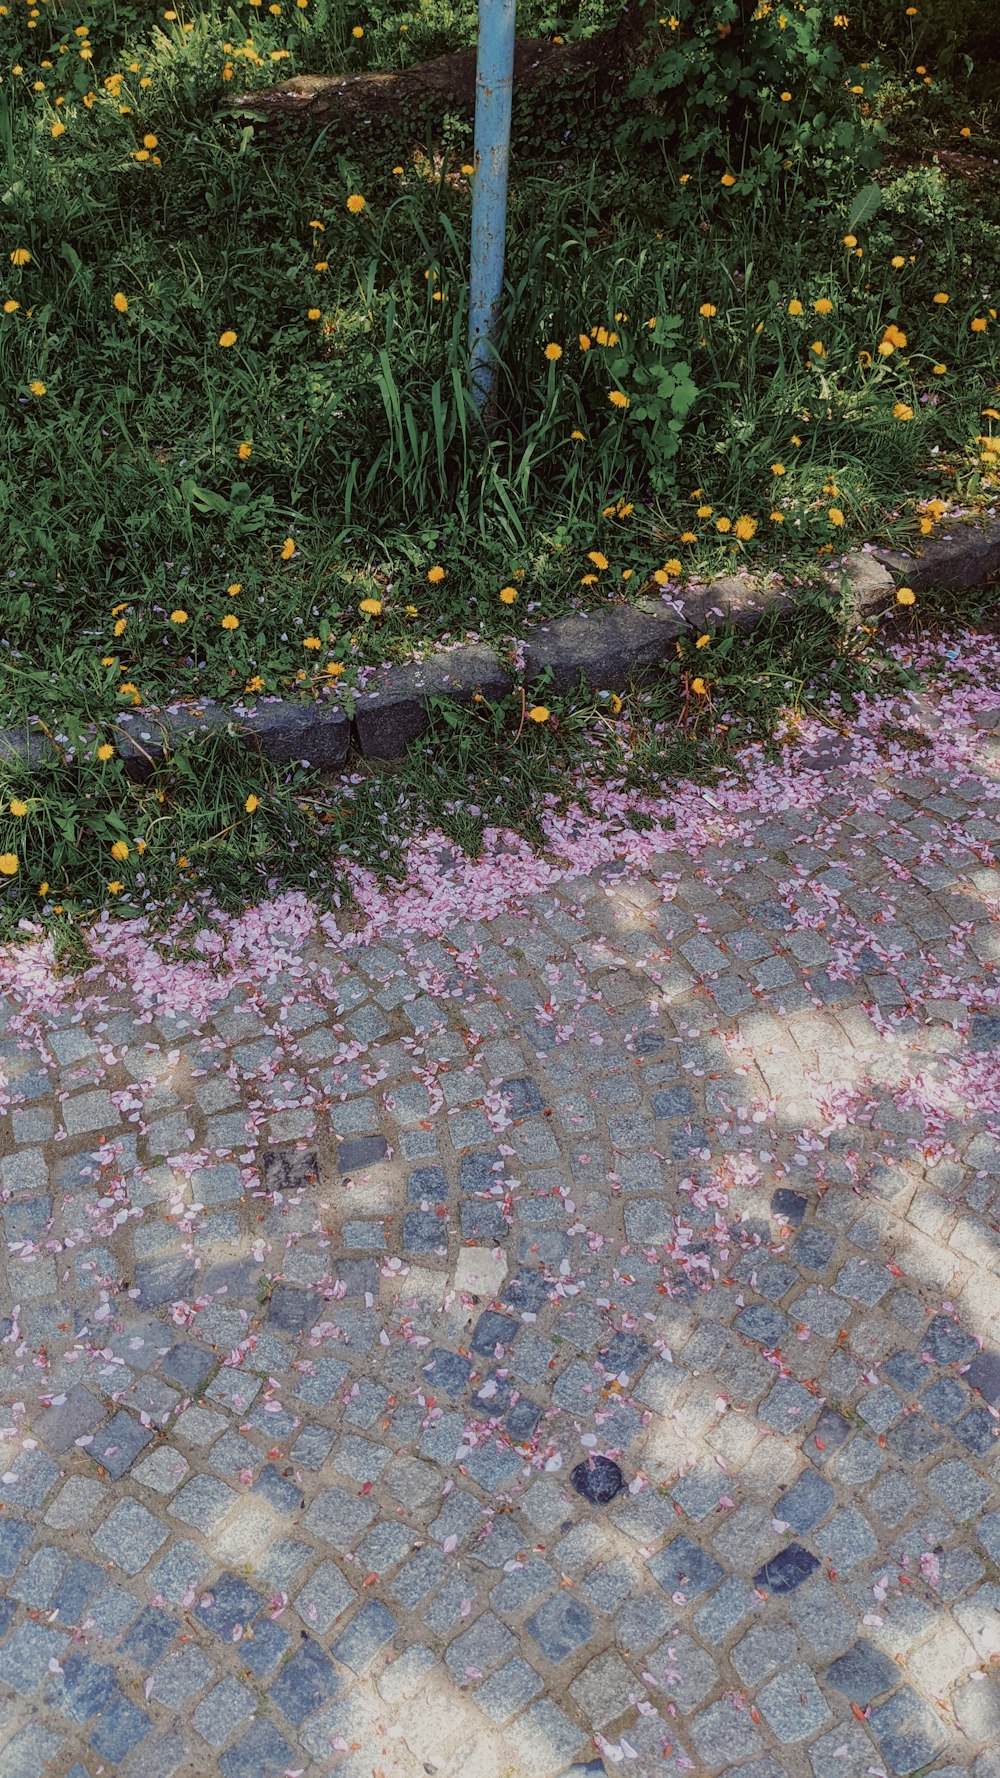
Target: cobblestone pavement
331, 1268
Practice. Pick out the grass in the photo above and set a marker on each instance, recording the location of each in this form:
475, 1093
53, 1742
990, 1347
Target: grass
188, 518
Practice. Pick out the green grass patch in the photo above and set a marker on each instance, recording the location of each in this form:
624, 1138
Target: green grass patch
240, 454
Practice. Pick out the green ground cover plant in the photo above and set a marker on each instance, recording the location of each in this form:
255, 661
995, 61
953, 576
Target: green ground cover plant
750, 318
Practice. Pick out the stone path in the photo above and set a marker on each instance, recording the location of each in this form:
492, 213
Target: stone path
329, 1267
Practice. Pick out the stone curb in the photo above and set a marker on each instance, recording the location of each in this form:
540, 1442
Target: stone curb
607, 647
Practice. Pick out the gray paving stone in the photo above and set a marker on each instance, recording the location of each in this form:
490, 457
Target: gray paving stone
130, 1536
847, 1540
907, 1732
547, 1740
793, 1705
179, 1677
806, 1503
764, 1648
25, 1657
479, 1649
723, 1734
80, 1414
365, 1637
684, 1568
203, 1503
260, 1753
508, 1691
863, 1673
225, 1708
31, 1750
560, 1627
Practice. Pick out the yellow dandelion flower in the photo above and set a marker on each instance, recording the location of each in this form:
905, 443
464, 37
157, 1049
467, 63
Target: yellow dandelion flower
723, 525
119, 851
699, 687
357, 30
905, 595
598, 558
17, 807
941, 297
311, 642
823, 306
230, 621
617, 399
795, 307
728, 179
539, 713
8, 864
37, 389
11, 307
689, 537
20, 256
835, 516
745, 527
313, 314
105, 751
819, 348
553, 351
902, 411
507, 595
978, 324
436, 574
227, 337
120, 301
287, 550
703, 641
704, 512
370, 607
583, 340
707, 310
938, 370
355, 203
252, 803
58, 129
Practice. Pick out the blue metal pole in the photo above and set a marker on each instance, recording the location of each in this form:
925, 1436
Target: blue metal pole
494, 87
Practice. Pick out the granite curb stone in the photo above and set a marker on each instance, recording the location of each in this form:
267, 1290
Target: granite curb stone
605, 647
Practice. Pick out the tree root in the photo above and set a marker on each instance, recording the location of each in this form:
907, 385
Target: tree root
449, 80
